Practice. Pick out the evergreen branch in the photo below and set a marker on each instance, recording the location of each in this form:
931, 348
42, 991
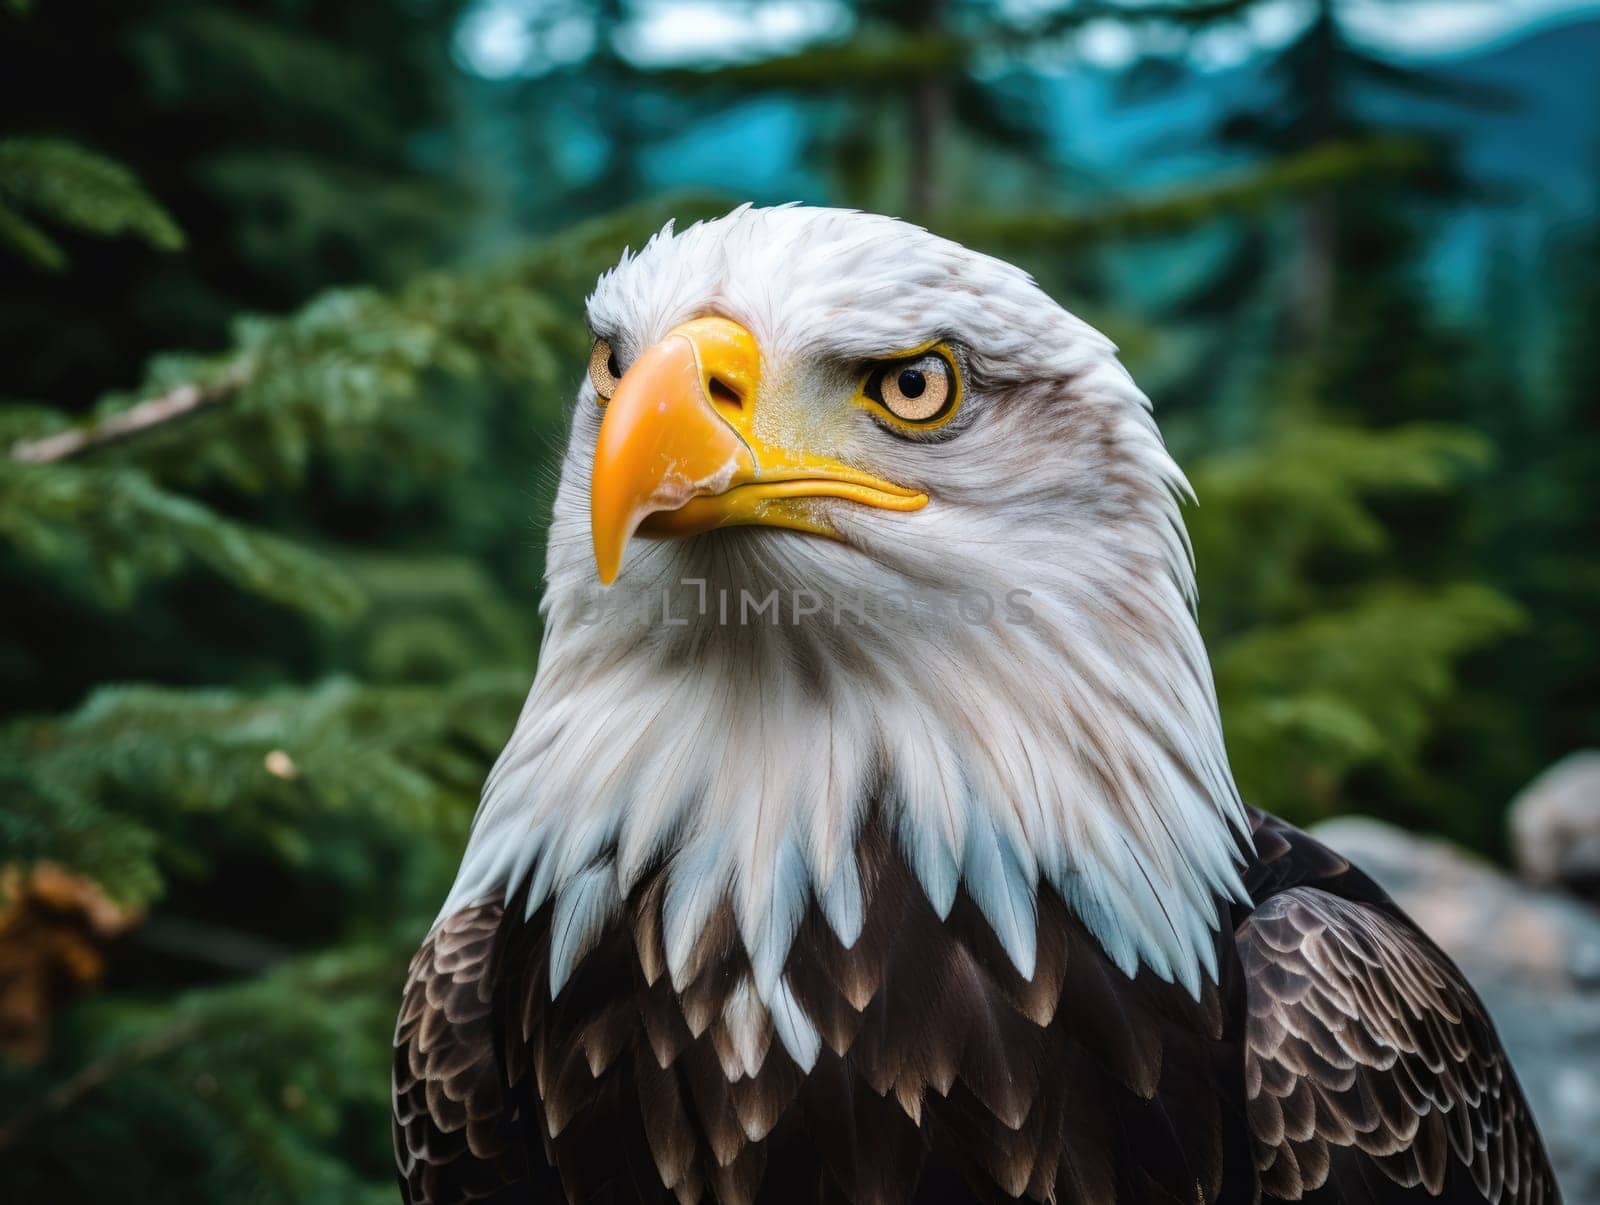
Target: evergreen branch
874, 61
1305, 490
344, 375
29, 242
177, 402
204, 1013
1307, 702
1323, 167
140, 779
338, 364
885, 58
81, 190
215, 57
118, 525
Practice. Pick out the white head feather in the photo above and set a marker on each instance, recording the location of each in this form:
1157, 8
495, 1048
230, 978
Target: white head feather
1080, 747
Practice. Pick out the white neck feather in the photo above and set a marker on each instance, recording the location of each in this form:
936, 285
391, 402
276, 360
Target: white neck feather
1081, 748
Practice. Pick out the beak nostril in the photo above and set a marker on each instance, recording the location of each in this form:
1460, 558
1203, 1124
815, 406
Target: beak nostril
725, 394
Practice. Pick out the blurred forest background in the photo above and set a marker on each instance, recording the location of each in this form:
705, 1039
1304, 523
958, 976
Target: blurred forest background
290, 314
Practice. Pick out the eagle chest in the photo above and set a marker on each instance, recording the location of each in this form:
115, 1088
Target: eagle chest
935, 1071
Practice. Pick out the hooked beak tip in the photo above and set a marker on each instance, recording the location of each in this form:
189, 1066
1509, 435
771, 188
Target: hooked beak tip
662, 440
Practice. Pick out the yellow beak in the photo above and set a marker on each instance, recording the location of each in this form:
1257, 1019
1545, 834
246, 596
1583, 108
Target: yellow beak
678, 452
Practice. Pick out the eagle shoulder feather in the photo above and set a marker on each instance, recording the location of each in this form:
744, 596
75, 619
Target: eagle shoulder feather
455, 1138
1365, 1048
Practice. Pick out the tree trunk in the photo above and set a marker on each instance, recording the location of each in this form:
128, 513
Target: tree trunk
1311, 285
929, 106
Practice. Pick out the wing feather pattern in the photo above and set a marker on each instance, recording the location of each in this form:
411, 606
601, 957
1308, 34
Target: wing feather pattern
1363, 1039
1340, 1060
454, 1138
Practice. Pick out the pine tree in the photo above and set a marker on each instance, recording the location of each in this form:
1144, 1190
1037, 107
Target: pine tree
1333, 655
49, 181
1328, 403
293, 150
273, 600
274, 849
1535, 389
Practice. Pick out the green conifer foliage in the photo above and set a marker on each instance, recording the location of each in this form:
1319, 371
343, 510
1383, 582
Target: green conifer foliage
271, 600
59, 183
282, 842
1331, 655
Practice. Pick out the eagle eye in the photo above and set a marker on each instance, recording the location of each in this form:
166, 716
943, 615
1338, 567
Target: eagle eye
922, 389
604, 371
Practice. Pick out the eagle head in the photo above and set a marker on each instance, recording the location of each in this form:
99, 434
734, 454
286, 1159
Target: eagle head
855, 527
927, 410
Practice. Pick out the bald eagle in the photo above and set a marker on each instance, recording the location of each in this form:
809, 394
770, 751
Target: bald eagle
868, 834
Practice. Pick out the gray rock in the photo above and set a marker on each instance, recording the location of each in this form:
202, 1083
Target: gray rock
1534, 957
1555, 825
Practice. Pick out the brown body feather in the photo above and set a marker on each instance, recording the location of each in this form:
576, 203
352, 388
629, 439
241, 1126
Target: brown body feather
1340, 1058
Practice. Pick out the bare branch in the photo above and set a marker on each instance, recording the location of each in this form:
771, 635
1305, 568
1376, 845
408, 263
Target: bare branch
151, 413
